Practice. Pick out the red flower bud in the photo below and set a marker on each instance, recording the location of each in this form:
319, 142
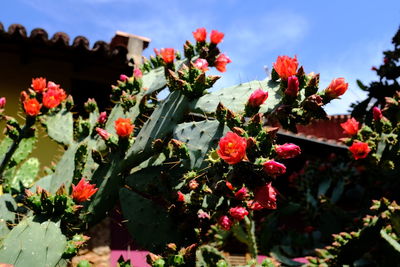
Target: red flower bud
286, 66
350, 127
254, 205
123, 77
2, 102
293, 86
83, 190
137, 73
103, 133
168, 55
201, 64
266, 196
274, 168
200, 35
216, 37
39, 84
221, 61
123, 127
225, 222
287, 151
257, 98
238, 213
181, 197
32, 107
360, 150
241, 193
337, 87
102, 117
232, 148
229, 185
377, 114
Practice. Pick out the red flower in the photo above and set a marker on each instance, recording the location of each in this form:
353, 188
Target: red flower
287, 151
221, 61
360, 150
286, 66
232, 148
32, 107
216, 37
83, 190
337, 87
168, 55
201, 64
257, 98
274, 168
293, 86
229, 185
181, 197
377, 114
350, 127
238, 213
225, 222
241, 193
266, 196
200, 35
39, 84
103, 133
123, 127
53, 97
2, 102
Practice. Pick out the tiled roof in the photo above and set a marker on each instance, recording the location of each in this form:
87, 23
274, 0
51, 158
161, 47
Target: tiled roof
61, 40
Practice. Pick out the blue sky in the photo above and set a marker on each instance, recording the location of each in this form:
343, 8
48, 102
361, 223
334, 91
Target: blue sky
335, 38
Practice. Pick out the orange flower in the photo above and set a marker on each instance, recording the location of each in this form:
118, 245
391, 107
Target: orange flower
360, 150
221, 61
200, 35
232, 148
337, 87
39, 84
123, 127
216, 37
83, 190
350, 127
53, 97
286, 66
168, 55
32, 107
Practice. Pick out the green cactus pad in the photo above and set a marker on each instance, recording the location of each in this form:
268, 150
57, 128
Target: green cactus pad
3, 229
154, 80
160, 124
60, 127
4, 146
25, 148
200, 137
8, 206
26, 174
33, 243
235, 97
208, 256
149, 224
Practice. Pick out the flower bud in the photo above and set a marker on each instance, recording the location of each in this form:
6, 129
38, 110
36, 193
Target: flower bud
377, 114
2, 102
200, 35
90, 105
221, 61
102, 117
274, 168
241, 193
293, 86
103, 133
266, 196
216, 37
336, 88
181, 196
238, 213
137, 73
123, 77
287, 151
257, 98
201, 64
225, 222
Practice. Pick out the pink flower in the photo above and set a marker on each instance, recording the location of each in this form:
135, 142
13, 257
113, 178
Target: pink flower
241, 193
201, 64
102, 117
203, 215
377, 114
266, 196
351, 126
287, 151
123, 77
257, 98
200, 35
181, 197
293, 86
193, 184
83, 190
137, 73
2, 102
274, 168
103, 133
216, 37
238, 213
225, 222
221, 61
